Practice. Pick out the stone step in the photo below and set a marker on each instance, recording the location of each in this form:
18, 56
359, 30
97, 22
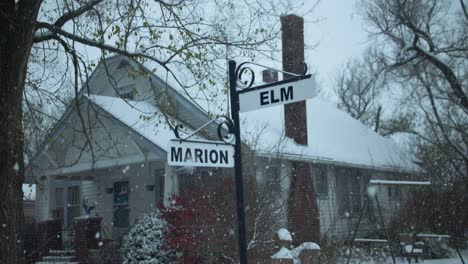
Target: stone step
66, 252
56, 262
59, 258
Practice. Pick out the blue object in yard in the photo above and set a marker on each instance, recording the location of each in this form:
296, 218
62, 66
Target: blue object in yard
87, 208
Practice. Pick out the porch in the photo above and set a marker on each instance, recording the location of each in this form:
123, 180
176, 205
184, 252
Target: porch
117, 194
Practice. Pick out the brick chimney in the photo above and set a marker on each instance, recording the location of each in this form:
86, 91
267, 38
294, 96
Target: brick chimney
303, 213
295, 117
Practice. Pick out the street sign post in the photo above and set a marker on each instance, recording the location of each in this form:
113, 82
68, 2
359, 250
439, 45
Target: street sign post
200, 154
297, 88
278, 93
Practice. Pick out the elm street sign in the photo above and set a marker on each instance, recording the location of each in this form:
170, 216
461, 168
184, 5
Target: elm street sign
200, 154
278, 93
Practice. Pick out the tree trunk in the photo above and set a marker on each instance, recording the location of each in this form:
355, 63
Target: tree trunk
16, 38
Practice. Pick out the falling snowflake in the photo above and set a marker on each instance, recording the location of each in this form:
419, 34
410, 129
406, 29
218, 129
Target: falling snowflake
16, 167
372, 190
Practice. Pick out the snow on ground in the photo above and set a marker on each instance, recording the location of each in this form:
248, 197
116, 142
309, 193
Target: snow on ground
453, 260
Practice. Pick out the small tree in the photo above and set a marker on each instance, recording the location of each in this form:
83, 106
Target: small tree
144, 243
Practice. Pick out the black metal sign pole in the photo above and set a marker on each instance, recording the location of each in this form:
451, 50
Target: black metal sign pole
238, 163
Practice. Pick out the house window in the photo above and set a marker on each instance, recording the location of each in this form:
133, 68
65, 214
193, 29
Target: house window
349, 191
273, 178
320, 180
394, 193
159, 179
73, 196
186, 179
121, 208
73, 203
128, 95
198, 178
127, 92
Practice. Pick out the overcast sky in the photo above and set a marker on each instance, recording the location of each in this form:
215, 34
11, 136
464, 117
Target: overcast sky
339, 36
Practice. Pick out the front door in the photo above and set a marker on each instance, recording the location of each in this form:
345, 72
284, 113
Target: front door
67, 201
73, 203
121, 208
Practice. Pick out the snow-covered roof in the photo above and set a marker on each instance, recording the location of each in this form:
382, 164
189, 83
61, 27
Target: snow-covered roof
333, 137
143, 117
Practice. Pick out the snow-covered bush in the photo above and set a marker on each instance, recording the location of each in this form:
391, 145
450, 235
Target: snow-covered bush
373, 254
438, 248
144, 242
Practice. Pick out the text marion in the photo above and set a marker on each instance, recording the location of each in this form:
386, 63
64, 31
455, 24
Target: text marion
200, 154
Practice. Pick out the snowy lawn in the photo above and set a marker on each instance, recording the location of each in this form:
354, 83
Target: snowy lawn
453, 260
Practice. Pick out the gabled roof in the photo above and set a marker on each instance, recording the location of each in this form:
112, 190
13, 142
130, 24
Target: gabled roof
333, 137
142, 117
129, 112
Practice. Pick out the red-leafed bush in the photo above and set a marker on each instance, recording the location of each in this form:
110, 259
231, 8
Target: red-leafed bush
201, 223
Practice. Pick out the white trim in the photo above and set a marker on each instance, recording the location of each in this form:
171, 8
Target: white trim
101, 164
411, 183
329, 161
370, 240
432, 236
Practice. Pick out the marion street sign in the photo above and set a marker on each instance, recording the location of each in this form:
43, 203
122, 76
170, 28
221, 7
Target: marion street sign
200, 154
283, 92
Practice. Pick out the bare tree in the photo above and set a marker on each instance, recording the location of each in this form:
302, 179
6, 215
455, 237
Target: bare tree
358, 87
362, 87
267, 167
423, 45
39, 37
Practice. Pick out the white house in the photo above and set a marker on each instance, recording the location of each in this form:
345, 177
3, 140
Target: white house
119, 164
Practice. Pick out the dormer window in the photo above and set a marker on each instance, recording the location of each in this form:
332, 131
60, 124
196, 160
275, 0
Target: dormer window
128, 96
127, 92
